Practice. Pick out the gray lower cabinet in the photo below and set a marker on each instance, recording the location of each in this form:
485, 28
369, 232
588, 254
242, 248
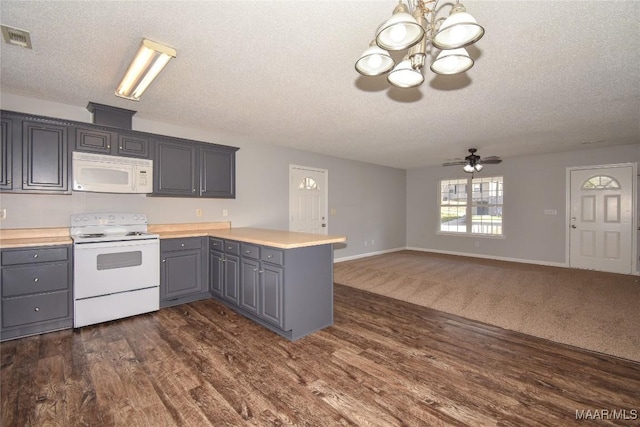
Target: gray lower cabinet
289, 291
224, 270
36, 287
183, 270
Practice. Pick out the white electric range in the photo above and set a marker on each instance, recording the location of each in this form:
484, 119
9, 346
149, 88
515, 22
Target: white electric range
116, 270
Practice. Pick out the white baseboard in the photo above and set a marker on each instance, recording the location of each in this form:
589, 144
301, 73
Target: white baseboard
408, 248
499, 258
368, 254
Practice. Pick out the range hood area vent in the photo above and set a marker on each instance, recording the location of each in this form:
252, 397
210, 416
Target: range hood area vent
107, 115
16, 37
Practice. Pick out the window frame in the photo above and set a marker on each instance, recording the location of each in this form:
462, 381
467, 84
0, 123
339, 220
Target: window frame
469, 208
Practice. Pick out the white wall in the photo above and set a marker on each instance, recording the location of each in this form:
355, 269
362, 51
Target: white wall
369, 200
531, 185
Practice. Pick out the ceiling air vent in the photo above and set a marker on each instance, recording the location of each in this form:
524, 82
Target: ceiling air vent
16, 37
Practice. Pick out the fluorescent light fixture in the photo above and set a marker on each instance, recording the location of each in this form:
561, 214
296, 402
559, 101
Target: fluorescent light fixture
150, 60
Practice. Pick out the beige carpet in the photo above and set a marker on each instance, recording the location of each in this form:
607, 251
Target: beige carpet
592, 310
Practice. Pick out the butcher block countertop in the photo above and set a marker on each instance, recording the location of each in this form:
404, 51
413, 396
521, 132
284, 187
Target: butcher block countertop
27, 237
258, 236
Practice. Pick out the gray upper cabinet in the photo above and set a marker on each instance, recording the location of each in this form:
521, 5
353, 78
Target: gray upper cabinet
190, 169
217, 177
6, 175
175, 169
35, 155
116, 143
36, 151
45, 157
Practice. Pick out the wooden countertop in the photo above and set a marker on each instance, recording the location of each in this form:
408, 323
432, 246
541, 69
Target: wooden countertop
258, 236
27, 237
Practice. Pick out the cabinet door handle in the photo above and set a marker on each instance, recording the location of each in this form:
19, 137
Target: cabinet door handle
193, 191
164, 260
247, 252
182, 244
255, 269
36, 309
36, 280
8, 181
260, 271
35, 255
269, 256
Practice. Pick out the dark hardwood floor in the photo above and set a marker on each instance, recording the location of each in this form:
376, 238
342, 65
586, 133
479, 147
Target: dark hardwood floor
383, 363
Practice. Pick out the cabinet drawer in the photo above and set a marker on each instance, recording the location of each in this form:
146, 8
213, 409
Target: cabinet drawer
23, 256
32, 279
216, 244
180, 244
35, 308
232, 247
274, 256
250, 251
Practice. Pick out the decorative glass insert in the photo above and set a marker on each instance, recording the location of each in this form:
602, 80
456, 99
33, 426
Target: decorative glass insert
308, 183
601, 182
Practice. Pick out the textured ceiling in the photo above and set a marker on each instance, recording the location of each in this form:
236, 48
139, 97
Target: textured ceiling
549, 76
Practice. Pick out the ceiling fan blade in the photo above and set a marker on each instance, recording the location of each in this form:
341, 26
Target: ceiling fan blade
491, 161
457, 163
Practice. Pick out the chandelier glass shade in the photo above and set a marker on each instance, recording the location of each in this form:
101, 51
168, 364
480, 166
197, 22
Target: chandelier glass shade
414, 27
374, 61
404, 75
452, 61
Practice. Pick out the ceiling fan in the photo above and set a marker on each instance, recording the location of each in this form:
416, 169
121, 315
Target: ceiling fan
474, 163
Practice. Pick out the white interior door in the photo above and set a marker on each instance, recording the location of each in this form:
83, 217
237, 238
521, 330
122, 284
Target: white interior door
308, 199
601, 219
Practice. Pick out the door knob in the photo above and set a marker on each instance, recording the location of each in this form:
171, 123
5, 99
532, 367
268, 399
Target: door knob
573, 226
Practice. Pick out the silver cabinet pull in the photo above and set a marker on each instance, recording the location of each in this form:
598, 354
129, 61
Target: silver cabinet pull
35, 255
36, 309
36, 280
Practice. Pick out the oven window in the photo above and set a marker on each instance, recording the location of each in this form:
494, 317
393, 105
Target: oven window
119, 260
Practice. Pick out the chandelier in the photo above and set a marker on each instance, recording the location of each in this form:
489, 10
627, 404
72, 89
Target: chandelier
413, 29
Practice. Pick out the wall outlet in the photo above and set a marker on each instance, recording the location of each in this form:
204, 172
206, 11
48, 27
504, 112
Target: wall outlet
477, 244
225, 212
373, 242
3, 214
198, 212
365, 243
550, 212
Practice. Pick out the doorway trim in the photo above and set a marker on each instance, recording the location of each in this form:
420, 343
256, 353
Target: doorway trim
325, 173
634, 213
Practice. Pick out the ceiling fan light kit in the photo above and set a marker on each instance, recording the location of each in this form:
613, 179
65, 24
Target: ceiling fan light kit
473, 162
415, 31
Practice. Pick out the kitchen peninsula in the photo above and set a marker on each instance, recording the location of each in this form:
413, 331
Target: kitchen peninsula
280, 279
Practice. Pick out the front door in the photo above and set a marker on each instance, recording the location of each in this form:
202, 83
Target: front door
308, 200
601, 219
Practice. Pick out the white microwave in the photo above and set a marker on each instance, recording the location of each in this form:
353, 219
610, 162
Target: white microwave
111, 174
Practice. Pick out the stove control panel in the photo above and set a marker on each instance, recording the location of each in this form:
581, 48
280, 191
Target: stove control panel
92, 219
